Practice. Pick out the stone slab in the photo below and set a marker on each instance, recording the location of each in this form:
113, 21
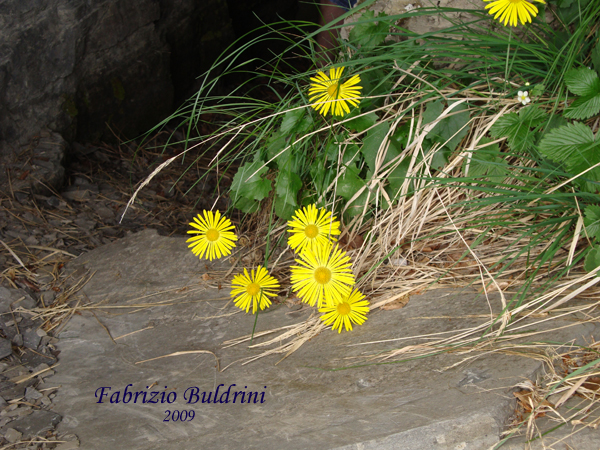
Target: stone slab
153, 301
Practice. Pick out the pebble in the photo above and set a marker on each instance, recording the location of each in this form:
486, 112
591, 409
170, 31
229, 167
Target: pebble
4, 421
32, 394
5, 348
12, 435
18, 340
40, 332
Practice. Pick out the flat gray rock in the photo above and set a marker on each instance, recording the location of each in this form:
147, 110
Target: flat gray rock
152, 301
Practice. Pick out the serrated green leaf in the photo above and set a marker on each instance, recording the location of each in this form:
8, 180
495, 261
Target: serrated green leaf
247, 182
451, 130
592, 259
369, 31
582, 82
517, 127
563, 144
349, 184
592, 221
583, 107
574, 146
363, 122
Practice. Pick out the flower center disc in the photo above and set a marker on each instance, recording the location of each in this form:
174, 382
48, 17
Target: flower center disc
253, 289
212, 235
343, 309
332, 90
322, 275
311, 231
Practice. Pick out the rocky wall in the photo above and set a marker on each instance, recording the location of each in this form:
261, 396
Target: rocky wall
76, 66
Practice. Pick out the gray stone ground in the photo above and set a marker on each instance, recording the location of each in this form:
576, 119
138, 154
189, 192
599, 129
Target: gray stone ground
152, 300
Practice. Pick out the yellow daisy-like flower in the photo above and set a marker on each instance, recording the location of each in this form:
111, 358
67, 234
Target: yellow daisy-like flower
328, 92
511, 10
311, 227
215, 238
323, 275
352, 309
254, 289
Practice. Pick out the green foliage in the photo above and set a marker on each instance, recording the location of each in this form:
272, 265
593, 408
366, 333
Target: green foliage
592, 259
592, 229
451, 129
248, 187
517, 127
487, 162
596, 57
592, 221
586, 84
369, 31
362, 123
575, 147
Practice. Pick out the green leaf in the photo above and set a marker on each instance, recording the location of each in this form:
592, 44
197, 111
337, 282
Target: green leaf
372, 142
246, 205
433, 111
363, 122
349, 183
517, 127
368, 32
297, 120
287, 185
555, 122
440, 158
375, 83
596, 57
358, 205
246, 183
275, 144
574, 146
487, 161
283, 209
538, 90
583, 107
592, 259
451, 130
320, 176
592, 221
582, 82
